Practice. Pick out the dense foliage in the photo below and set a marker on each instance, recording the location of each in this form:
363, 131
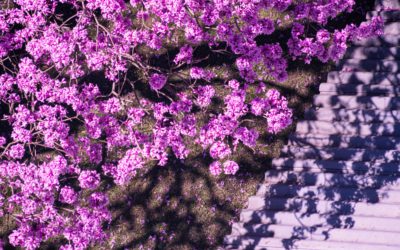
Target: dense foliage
63, 136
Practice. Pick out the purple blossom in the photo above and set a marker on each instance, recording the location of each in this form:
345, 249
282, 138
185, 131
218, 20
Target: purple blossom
323, 36
236, 104
95, 153
157, 81
234, 84
128, 165
204, 95
258, 106
111, 106
98, 200
109, 169
185, 55
215, 168
2, 141
68, 195
279, 116
17, 151
247, 136
230, 167
89, 179
188, 126
199, 73
135, 115
220, 150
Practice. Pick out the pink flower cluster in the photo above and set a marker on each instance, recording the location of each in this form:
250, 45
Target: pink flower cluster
70, 96
329, 46
157, 81
36, 188
204, 95
321, 11
229, 168
185, 55
200, 73
274, 108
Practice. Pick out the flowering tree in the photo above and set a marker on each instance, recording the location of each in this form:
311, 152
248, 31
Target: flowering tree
62, 133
